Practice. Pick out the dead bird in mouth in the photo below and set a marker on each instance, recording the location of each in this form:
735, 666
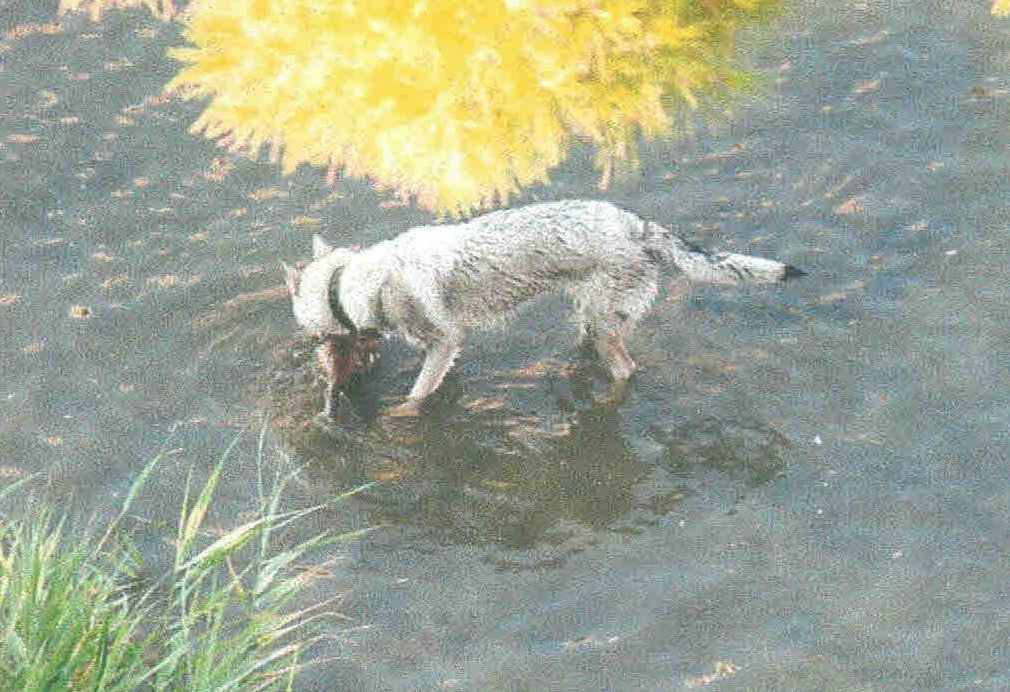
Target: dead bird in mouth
341, 357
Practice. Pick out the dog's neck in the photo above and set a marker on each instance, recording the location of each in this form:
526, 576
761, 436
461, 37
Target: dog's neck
310, 290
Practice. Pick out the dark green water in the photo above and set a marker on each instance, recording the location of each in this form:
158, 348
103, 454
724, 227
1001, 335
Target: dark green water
807, 484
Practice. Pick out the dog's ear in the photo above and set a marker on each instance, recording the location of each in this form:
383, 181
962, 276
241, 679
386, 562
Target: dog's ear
292, 278
320, 247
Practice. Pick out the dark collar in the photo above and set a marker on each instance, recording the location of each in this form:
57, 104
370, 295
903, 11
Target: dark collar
338, 312
344, 320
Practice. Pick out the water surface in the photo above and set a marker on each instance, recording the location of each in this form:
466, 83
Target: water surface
806, 488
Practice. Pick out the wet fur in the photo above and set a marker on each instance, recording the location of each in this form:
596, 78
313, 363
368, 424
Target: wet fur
433, 284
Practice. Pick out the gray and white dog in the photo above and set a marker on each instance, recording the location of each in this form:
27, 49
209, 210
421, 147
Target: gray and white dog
434, 283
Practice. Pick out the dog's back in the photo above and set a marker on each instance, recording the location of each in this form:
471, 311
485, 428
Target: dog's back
477, 273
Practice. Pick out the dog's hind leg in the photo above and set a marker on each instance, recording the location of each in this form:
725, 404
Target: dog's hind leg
585, 296
609, 306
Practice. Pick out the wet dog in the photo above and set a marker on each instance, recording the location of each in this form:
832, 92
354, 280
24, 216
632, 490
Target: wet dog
432, 284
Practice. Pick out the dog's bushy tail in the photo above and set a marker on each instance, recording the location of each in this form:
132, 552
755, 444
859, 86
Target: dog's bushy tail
698, 264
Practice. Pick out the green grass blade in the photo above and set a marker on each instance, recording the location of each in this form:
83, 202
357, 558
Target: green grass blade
197, 513
135, 488
11, 487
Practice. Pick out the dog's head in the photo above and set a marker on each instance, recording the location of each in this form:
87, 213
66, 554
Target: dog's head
309, 288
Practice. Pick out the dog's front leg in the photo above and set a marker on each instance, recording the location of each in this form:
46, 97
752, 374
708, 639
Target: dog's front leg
437, 361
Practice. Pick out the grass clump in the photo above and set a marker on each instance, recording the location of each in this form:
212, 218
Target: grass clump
75, 614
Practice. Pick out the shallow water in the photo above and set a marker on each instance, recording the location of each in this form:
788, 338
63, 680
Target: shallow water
805, 489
